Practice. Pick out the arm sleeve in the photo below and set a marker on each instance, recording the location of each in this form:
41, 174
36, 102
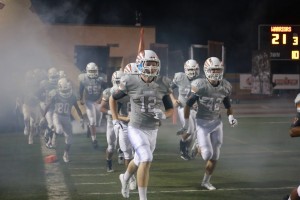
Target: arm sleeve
167, 102
192, 99
118, 94
226, 102
81, 88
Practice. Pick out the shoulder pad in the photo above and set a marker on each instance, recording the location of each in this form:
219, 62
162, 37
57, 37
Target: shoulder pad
81, 77
167, 81
179, 76
227, 85
197, 84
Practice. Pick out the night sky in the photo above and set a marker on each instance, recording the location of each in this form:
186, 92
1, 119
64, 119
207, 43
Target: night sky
181, 23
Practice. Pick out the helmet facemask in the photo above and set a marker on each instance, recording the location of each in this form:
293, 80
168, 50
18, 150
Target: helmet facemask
53, 75
213, 69
64, 88
116, 78
149, 68
92, 70
191, 69
148, 64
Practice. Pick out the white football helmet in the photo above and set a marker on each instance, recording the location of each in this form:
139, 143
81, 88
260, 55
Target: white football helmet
116, 77
131, 68
64, 88
53, 75
191, 69
62, 74
92, 70
213, 69
148, 63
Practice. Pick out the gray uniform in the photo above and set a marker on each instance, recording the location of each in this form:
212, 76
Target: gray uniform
181, 81
62, 115
210, 97
144, 97
209, 123
90, 88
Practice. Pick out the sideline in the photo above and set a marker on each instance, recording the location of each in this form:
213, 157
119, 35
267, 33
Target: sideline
55, 182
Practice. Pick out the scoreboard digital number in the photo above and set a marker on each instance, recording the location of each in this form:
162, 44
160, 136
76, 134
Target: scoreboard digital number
282, 41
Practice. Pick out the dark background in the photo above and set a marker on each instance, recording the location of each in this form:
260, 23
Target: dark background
183, 22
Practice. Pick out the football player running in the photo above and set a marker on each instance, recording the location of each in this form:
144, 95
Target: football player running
30, 105
111, 133
210, 93
90, 90
294, 195
148, 94
182, 81
62, 102
295, 126
46, 92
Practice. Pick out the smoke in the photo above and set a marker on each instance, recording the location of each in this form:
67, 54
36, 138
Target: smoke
25, 45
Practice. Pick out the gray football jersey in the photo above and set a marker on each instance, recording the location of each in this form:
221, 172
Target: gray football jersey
123, 104
106, 94
92, 87
144, 97
210, 97
63, 106
47, 90
184, 87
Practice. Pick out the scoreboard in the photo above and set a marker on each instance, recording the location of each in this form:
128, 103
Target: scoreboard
281, 41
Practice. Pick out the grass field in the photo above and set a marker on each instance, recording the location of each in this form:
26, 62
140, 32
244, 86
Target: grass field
258, 161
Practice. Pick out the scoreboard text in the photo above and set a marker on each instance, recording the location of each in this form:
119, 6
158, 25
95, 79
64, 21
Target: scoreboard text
282, 41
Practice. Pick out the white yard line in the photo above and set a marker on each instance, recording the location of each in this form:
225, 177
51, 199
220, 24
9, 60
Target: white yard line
55, 182
187, 191
80, 175
106, 183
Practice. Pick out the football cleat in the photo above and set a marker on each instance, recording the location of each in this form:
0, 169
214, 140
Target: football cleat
125, 187
185, 156
95, 144
49, 146
208, 185
26, 131
109, 168
132, 183
66, 158
30, 140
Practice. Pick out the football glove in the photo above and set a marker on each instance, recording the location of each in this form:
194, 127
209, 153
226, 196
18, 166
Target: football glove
159, 114
184, 128
117, 124
232, 121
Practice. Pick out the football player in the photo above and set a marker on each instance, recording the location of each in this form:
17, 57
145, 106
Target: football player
111, 134
294, 195
295, 126
46, 92
148, 94
182, 81
30, 105
209, 93
62, 102
131, 68
90, 90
